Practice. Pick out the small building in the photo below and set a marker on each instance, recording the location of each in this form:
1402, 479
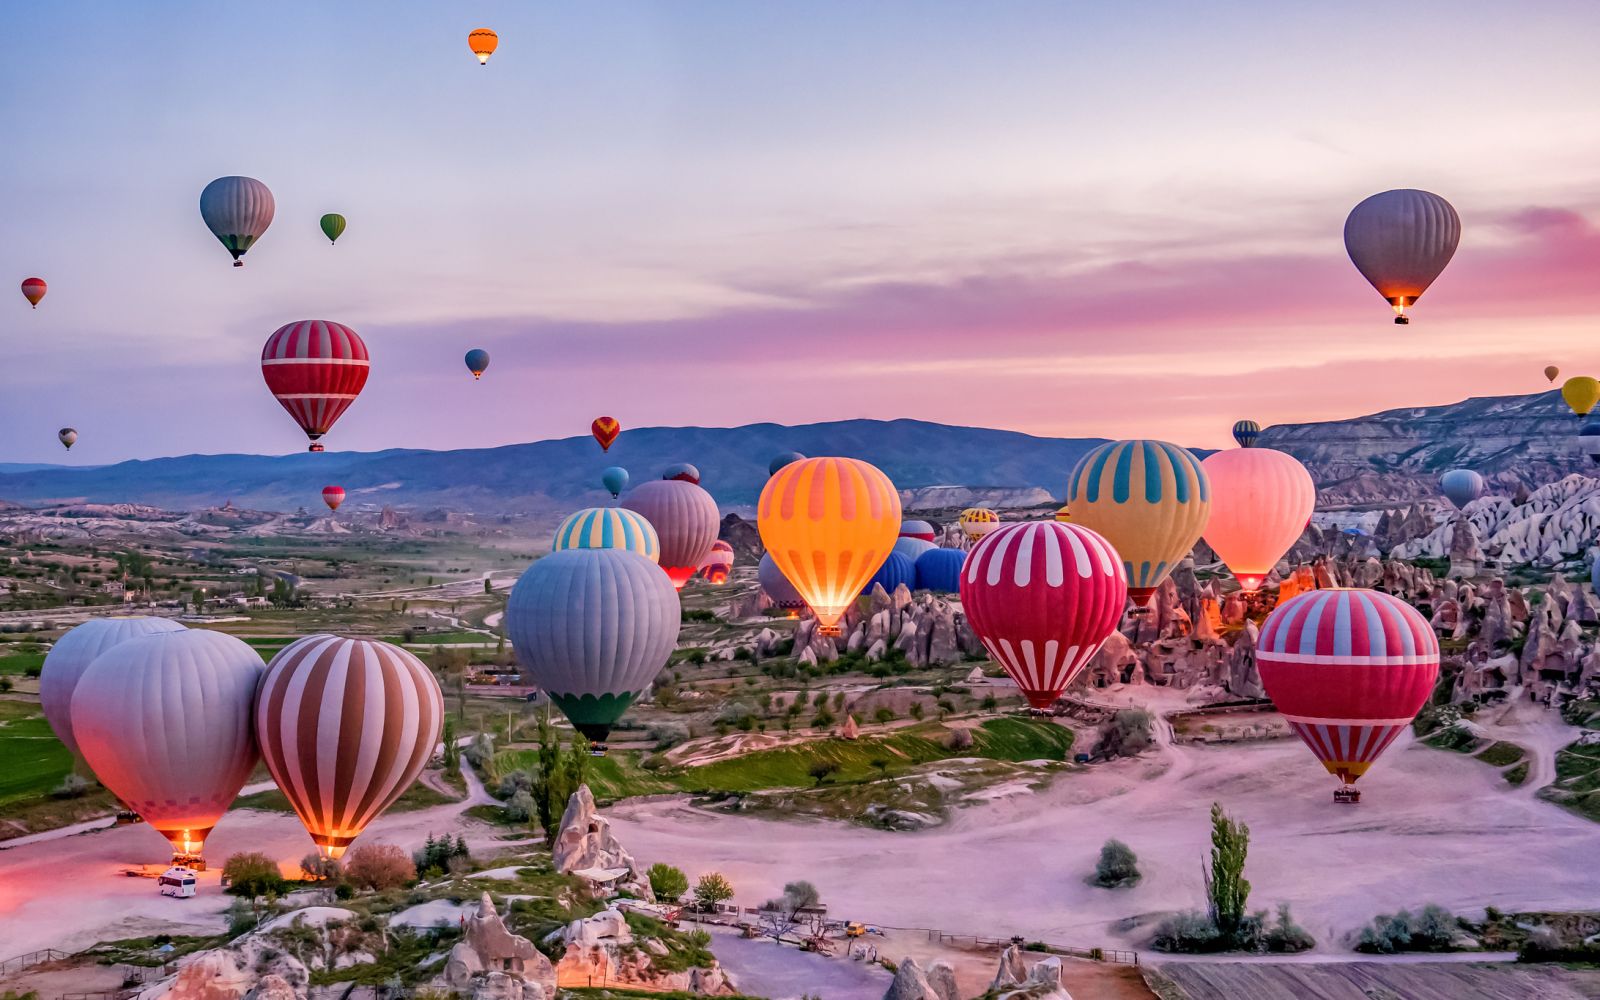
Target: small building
177, 881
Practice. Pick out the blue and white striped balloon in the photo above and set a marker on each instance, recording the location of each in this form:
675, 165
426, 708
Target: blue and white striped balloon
608, 528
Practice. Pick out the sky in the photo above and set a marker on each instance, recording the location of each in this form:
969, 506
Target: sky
1063, 218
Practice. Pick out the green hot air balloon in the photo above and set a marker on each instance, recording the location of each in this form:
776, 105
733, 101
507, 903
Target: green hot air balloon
332, 226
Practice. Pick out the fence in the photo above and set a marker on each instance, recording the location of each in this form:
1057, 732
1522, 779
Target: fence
32, 958
1116, 955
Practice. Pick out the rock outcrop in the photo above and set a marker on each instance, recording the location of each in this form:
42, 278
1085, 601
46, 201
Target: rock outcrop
584, 843
602, 950
491, 962
911, 982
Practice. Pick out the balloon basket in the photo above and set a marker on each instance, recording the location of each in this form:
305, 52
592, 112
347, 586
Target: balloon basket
830, 630
1347, 796
1402, 321
191, 861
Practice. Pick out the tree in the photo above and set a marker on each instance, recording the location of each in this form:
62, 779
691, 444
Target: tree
252, 874
1118, 865
781, 915
820, 770
379, 867
710, 890
452, 751
1127, 733
668, 883
316, 868
1227, 890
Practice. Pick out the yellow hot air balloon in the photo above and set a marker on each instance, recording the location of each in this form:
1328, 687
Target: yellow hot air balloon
828, 524
1550, 373
483, 42
1063, 514
1149, 499
1581, 393
977, 522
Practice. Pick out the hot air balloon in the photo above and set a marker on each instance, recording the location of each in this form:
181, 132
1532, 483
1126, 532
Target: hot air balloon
164, 721
345, 725
940, 570
1400, 241
1063, 514
605, 431
483, 42
1461, 486
333, 496
685, 517
683, 472
896, 569
718, 563
1245, 432
615, 479
1261, 501
592, 628
1043, 596
315, 368
1581, 393
33, 290
1149, 499
71, 656
68, 437
918, 529
977, 522
237, 210
779, 461
332, 226
1589, 441
829, 523
1550, 373
776, 586
1349, 670
608, 528
911, 548
477, 362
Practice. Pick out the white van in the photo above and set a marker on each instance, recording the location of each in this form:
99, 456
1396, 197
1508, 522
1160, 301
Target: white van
177, 881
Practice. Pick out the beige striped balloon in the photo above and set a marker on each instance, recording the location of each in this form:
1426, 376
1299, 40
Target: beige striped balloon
345, 727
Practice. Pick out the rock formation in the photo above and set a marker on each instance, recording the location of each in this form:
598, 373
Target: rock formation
585, 843
912, 983
491, 962
603, 951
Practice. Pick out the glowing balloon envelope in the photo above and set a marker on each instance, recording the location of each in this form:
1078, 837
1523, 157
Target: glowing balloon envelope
33, 290
483, 42
593, 628
978, 521
71, 655
608, 528
346, 725
1245, 432
718, 563
332, 226
477, 362
605, 431
315, 368
68, 437
1149, 499
684, 516
1581, 393
1349, 670
164, 721
1261, 501
1043, 597
1400, 241
615, 479
238, 211
1461, 486
333, 496
829, 523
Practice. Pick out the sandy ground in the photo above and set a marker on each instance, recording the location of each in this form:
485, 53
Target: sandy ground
1432, 827
761, 968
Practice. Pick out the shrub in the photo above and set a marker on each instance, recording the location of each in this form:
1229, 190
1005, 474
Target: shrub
668, 883
72, 786
379, 866
711, 889
1127, 733
1189, 931
1118, 866
520, 807
959, 739
1286, 936
251, 873
316, 868
884, 714
1433, 929
821, 770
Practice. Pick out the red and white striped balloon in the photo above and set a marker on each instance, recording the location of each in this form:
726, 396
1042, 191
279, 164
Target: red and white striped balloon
1043, 596
345, 727
1349, 669
333, 496
315, 368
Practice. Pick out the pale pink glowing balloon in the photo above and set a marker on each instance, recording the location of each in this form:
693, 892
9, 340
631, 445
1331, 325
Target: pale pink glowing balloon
1261, 500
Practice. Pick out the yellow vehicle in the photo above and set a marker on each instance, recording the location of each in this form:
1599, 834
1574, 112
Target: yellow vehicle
854, 929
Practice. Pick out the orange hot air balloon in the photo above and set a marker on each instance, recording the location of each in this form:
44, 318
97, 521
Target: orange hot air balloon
1261, 500
605, 430
33, 290
828, 524
483, 42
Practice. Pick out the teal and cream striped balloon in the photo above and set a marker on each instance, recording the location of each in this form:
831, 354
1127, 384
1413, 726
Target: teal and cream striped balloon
608, 528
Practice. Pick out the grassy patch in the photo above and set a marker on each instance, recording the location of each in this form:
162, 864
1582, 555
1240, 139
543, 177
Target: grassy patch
32, 760
1517, 775
418, 796
1577, 784
27, 664
1501, 754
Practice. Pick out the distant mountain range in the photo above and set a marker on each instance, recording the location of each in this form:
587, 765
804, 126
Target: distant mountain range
546, 475
1394, 455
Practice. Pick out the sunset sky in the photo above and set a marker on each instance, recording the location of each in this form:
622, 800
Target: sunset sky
1062, 218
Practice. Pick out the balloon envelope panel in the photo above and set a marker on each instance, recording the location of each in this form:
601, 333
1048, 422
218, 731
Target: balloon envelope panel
71, 656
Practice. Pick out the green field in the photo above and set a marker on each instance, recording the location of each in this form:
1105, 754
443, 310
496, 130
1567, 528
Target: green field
35, 761
20, 663
418, 796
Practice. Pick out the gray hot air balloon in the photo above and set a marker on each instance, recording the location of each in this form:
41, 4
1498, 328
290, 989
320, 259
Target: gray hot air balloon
777, 587
164, 720
912, 548
593, 627
1400, 241
71, 656
782, 459
686, 519
237, 210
